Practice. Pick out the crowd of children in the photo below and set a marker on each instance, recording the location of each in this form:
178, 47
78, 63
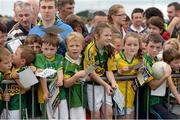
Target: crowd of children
79, 75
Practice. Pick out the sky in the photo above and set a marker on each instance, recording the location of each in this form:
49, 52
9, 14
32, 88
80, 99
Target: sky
6, 6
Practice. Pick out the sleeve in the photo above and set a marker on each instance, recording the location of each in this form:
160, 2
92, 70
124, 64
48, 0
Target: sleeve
39, 61
61, 63
66, 76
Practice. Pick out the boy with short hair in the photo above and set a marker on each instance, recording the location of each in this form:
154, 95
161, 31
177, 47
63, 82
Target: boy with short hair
73, 71
49, 59
157, 110
22, 58
74, 76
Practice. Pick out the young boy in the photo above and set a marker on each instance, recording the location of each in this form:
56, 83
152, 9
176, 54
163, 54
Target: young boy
49, 59
74, 73
35, 42
157, 110
22, 58
5, 65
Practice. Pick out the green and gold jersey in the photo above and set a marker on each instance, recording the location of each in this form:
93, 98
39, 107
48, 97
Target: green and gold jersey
153, 100
14, 90
76, 94
92, 56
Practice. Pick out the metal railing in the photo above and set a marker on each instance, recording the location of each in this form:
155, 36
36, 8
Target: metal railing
124, 78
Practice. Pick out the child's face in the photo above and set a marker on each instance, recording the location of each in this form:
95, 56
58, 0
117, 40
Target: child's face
49, 51
105, 37
2, 38
36, 47
175, 64
143, 47
131, 46
154, 29
118, 44
171, 44
17, 57
74, 49
153, 49
78, 29
6, 64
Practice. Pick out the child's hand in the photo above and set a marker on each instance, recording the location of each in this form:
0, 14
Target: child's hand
167, 71
178, 99
81, 74
59, 83
33, 68
114, 85
39, 70
46, 96
6, 96
109, 89
124, 69
14, 75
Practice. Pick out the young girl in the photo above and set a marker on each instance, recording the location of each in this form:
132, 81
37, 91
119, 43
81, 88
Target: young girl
117, 41
97, 54
125, 62
155, 25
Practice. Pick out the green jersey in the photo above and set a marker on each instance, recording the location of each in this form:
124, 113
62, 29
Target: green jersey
76, 94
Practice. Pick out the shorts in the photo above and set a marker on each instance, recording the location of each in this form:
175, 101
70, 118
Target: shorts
99, 97
14, 114
61, 110
78, 113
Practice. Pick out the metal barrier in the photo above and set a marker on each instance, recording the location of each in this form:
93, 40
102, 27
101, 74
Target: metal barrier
125, 78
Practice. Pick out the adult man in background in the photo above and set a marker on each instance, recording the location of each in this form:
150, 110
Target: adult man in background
137, 21
24, 17
48, 10
65, 8
35, 7
98, 17
173, 10
12, 22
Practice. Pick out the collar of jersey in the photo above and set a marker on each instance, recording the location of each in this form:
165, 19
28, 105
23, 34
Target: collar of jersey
51, 59
78, 61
